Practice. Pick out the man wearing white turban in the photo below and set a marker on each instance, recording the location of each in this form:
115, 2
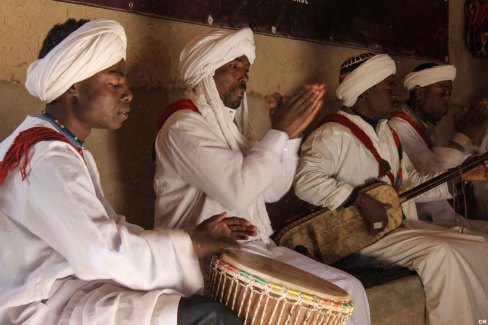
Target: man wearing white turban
355, 146
430, 87
208, 158
66, 256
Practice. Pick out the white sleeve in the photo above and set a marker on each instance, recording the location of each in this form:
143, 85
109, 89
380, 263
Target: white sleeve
202, 159
420, 162
289, 160
414, 178
62, 208
422, 158
319, 162
449, 157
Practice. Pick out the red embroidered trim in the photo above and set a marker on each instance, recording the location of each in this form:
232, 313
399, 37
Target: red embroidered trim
21, 145
172, 108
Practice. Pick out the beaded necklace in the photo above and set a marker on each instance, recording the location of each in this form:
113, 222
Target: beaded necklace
61, 128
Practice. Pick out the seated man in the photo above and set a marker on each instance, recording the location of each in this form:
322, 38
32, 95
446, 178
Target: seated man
209, 160
66, 256
335, 160
430, 87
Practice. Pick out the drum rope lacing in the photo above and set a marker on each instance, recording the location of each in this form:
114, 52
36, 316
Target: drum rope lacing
225, 274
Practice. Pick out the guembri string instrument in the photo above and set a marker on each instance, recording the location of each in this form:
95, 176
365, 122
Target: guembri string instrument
328, 236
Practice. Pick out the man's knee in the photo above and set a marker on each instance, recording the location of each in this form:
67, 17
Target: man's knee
204, 311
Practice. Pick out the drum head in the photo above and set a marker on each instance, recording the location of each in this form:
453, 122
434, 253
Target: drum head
285, 275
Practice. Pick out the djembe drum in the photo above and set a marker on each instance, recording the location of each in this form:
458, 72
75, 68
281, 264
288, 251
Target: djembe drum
265, 291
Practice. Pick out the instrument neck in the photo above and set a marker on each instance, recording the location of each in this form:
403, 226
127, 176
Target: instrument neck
450, 174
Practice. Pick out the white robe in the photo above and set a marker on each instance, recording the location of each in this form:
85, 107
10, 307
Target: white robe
198, 176
426, 160
452, 266
66, 256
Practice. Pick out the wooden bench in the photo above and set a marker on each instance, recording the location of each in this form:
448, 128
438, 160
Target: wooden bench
395, 294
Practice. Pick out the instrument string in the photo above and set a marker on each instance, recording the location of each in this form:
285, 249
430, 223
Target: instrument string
443, 178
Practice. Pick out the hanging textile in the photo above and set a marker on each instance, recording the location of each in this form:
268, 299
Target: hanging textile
476, 19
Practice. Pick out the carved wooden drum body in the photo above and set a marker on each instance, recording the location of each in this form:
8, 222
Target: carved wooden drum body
265, 291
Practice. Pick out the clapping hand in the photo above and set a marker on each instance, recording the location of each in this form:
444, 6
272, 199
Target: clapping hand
295, 114
473, 121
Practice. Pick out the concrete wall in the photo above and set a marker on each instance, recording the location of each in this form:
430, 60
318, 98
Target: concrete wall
124, 156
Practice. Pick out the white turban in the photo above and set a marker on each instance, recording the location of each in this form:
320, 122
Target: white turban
367, 75
95, 46
209, 51
429, 76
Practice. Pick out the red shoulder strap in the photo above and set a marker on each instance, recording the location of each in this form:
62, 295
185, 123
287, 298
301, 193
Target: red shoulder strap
404, 116
383, 166
176, 106
21, 145
398, 144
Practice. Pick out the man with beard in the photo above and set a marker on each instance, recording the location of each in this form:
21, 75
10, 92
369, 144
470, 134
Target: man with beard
209, 160
355, 146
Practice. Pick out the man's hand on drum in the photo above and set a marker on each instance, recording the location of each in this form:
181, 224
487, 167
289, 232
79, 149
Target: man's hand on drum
218, 233
233, 227
372, 211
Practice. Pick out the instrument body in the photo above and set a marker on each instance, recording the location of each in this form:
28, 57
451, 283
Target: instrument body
265, 291
329, 236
